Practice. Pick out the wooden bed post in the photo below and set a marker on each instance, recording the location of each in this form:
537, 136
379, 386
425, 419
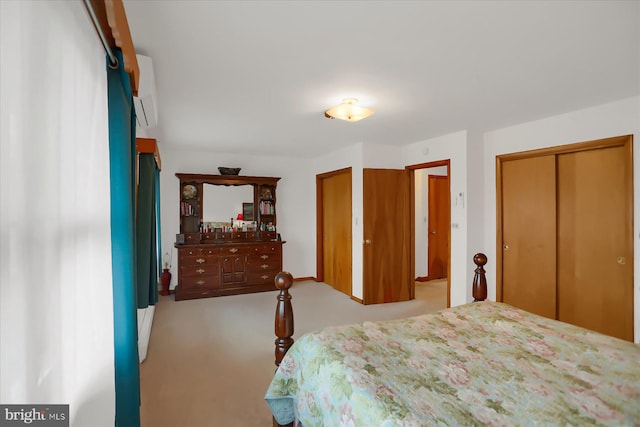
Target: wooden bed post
479, 287
284, 316
284, 322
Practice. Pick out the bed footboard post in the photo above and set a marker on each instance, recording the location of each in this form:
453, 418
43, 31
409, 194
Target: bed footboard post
479, 287
284, 316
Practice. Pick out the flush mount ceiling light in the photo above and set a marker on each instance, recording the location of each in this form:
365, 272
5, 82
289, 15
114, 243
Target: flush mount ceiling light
348, 111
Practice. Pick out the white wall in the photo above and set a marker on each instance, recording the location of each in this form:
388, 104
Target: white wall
603, 121
295, 200
475, 198
454, 148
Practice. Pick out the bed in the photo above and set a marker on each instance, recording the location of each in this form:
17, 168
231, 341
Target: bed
483, 363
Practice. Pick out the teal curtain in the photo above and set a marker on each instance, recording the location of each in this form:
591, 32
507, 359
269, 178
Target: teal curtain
122, 155
158, 228
146, 231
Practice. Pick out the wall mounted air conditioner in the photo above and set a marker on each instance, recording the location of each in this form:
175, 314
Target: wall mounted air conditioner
146, 103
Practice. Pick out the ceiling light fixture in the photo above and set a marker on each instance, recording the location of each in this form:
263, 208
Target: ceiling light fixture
348, 111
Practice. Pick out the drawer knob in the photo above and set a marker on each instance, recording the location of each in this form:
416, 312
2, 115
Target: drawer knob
200, 270
264, 256
200, 260
264, 266
264, 277
200, 282
233, 250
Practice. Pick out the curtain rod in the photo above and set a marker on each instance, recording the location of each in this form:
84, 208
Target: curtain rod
113, 60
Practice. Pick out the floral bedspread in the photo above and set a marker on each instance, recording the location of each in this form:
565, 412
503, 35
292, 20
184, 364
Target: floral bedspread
482, 363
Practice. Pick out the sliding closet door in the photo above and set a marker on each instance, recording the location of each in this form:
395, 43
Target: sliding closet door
529, 234
595, 260
336, 230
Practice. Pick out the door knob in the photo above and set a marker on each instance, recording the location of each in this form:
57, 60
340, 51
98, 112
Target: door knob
433, 232
621, 260
505, 247
367, 242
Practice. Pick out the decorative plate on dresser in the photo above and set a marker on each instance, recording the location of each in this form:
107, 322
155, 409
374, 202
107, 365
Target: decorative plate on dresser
189, 191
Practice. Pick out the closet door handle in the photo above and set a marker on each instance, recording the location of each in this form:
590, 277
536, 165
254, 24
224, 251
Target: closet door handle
505, 247
621, 260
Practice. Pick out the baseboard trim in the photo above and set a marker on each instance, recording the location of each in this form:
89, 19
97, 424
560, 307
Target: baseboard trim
358, 300
302, 279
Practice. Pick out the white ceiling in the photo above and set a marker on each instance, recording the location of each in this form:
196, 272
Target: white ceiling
256, 76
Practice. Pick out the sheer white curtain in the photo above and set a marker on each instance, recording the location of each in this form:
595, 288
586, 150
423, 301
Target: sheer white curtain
56, 304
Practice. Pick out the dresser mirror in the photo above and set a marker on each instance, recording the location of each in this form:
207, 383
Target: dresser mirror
223, 202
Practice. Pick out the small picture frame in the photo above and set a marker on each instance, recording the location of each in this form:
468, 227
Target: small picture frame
247, 211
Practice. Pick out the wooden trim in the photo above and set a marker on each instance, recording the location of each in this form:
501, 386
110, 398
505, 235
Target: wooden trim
569, 148
622, 140
149, 146
113, 23
319, 230
412, 209
117, 19
319, 219
227, 179
433, 164
304, 279
498, 254
356, 299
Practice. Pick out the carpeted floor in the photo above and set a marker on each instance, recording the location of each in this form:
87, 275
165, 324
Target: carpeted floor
210, 361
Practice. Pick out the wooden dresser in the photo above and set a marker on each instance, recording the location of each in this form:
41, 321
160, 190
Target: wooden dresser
216, 261
235, 263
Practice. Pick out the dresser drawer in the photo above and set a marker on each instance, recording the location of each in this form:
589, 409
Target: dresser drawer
261, 257
203, 282
265, 277
236, 250
195, 260
269, 248
258, 265
197, 251
199, 270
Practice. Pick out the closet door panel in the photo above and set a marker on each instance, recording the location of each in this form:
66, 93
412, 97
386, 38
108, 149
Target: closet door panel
595, 276
529, 234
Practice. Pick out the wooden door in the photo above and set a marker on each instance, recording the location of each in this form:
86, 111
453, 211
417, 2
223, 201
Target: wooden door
595, 259
386, 246
529, 234
438, 226
336, 230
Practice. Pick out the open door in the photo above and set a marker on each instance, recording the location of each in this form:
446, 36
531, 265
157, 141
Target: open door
386, 231
438, 238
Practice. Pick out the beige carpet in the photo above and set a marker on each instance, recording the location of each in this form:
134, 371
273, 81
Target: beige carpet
210, 361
